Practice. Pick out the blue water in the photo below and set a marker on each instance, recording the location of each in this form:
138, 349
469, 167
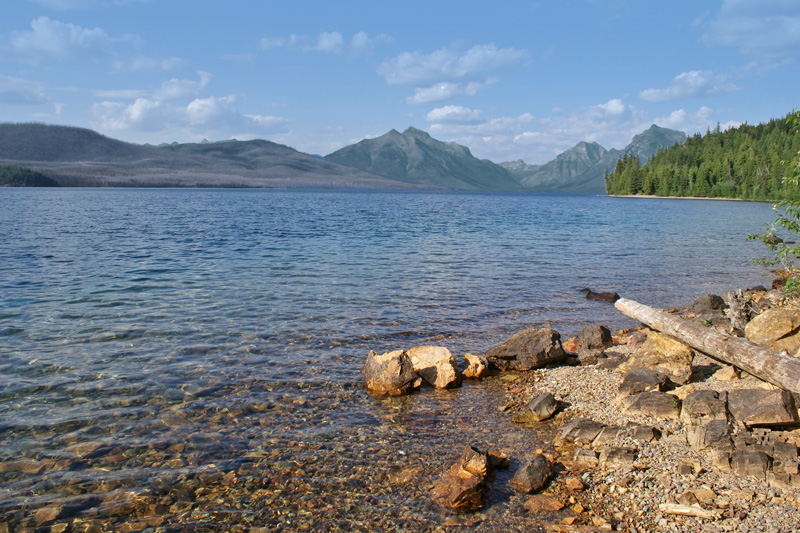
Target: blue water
177, 334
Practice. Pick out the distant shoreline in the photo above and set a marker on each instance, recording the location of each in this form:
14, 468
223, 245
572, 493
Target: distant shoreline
682, 197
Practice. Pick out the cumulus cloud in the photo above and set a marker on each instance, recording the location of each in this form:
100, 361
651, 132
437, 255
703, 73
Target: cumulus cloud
691, 84
764, 29
53, 39
454, 114
179, 105
330, 42
441, 92
692, 122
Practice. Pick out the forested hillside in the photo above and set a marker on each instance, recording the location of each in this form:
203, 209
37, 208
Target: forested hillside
12, 176
747, 162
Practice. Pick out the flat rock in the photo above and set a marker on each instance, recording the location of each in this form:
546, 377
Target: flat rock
638, 380
477, 366
579, 431
435, 365
715, 434
654, 404
753, 464
390, 374
540, 408
777, 328
539, 503
662, 352
533, 475
617, 456
704, 405
758, 407
594, 338
527, 350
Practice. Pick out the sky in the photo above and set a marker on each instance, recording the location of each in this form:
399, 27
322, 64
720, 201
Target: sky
508, 79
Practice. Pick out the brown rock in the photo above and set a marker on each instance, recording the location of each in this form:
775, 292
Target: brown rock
617, 456
435, 365
750, 463
638, 380
574, 484
665, 353
477, 366
594, 338
727, 373
777, 328
47, 514
540, 503
579, 431
465, 486
390, 374
533, 475
758, 407
654, 404
704, 405
24, 466
707, 304
540, 408
527, 350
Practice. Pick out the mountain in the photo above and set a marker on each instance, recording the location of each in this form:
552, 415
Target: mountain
564, 172
417, 157
581, 168
81, 157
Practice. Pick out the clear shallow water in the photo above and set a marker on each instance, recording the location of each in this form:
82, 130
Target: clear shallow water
189, 359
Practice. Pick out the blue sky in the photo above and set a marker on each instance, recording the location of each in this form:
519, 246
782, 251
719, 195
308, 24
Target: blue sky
510, 80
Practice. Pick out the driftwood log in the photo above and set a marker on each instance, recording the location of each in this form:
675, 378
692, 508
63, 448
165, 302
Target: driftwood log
769, 365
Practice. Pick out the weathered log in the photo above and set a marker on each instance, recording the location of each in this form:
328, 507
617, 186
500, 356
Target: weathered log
773, 367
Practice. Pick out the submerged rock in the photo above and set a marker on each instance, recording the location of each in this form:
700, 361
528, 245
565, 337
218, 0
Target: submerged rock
465, 486
390, 374
435, 365
527, 350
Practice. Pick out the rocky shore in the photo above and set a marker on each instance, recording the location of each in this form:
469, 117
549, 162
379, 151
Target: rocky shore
649, 434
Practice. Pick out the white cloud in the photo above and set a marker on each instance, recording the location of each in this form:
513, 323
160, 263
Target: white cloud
691, 84
142, 63
692, 122
613, 107
454, 114
441, 92
179, 109
413, 69
17, 91
765, 29
50, 38
330, 42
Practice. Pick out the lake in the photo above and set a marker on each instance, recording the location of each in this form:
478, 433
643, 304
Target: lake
189, 360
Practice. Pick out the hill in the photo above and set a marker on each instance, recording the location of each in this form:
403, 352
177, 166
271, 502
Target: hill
417, 157
80, 157
581, 168
11, 176
744, 162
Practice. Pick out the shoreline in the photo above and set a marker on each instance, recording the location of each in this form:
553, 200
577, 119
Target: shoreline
652, 196
639, 492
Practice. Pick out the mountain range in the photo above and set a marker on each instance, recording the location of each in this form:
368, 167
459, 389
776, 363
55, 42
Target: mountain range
409, 160
581, 168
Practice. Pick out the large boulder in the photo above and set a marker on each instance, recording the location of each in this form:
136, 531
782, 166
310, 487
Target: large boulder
708, 304
390, 374
465, 486
527, 350
436, 365
662, 352
777, 328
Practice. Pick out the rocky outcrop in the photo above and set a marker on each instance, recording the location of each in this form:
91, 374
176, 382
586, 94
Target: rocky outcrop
594, 338
527, 350
435, 365
390, 374
465, 486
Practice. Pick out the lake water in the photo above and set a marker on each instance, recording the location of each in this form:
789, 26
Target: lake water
189, 360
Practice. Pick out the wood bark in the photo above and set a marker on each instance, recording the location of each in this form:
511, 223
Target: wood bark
769, 365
